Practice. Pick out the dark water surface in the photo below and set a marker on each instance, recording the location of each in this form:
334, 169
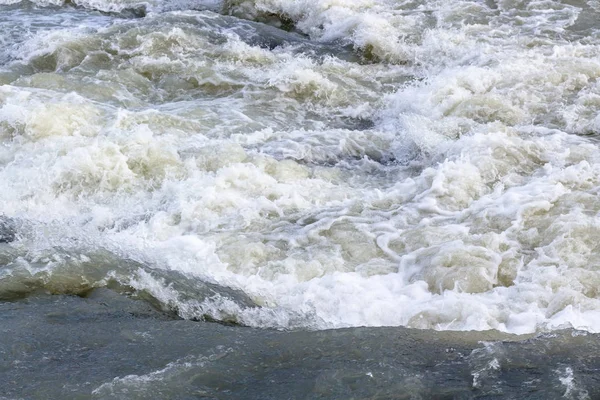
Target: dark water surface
107, 346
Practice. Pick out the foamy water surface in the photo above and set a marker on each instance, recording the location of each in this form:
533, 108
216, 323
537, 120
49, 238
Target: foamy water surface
307, 164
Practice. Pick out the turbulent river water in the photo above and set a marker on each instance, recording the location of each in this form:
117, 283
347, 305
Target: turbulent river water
290, 168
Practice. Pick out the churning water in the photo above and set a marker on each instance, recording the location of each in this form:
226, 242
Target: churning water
306, 165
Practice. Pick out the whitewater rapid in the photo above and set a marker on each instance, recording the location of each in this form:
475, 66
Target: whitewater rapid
307, 164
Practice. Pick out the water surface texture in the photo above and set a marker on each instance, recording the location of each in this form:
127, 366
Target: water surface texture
305, 166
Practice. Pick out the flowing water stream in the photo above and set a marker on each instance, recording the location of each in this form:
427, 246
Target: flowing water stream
290, 169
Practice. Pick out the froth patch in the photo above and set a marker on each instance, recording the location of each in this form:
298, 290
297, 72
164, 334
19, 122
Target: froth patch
90, 169
369, 27
38, 115
454, 266
150, 157
100, 5
64, 119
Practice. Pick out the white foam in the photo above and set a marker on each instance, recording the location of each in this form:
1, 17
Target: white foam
572, 390
470, 203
